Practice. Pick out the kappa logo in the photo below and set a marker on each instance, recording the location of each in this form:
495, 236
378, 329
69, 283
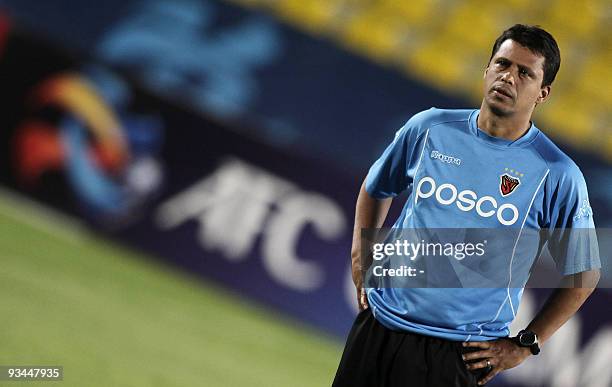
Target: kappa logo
508, 184
445, 158
584, 211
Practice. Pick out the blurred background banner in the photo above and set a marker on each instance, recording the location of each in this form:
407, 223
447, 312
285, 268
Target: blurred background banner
178, 185
230, 138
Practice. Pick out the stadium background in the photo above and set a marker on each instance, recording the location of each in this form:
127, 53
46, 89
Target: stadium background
179, 177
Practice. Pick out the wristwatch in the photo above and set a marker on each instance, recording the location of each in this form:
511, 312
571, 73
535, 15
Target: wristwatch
528, 339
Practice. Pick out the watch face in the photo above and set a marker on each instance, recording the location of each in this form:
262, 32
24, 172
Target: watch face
527, 338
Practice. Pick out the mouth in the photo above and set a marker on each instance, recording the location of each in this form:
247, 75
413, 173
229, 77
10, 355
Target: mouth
502, 91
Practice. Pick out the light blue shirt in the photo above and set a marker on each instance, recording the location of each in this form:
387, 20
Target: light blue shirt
454, 174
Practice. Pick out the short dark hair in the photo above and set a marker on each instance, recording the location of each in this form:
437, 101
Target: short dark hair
539, 42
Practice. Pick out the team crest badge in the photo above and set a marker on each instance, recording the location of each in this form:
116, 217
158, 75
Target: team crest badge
508, 184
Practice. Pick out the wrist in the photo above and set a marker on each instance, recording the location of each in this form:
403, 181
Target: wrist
528, 340
525, 352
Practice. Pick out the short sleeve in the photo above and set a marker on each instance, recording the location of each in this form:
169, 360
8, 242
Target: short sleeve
572, 239
394, 170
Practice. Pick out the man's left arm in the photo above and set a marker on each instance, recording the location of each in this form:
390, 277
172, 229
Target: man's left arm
560, 306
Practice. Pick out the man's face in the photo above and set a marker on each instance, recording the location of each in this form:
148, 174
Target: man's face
513, 80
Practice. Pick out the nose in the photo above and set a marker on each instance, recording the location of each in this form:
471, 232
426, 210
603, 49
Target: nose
507, 77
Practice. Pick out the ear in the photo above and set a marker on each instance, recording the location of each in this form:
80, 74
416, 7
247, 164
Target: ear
485, 72
544, 94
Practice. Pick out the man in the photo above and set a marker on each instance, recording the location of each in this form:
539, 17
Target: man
489, 168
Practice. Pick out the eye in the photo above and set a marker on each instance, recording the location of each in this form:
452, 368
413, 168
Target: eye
526, 72
502, 62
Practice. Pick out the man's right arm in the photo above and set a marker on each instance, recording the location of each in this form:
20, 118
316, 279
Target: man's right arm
369, 213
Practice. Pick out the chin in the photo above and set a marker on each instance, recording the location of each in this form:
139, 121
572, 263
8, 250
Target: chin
499, 109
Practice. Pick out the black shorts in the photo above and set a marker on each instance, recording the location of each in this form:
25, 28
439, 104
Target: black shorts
375, 356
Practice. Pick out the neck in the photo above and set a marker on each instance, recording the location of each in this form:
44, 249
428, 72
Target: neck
507, 127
